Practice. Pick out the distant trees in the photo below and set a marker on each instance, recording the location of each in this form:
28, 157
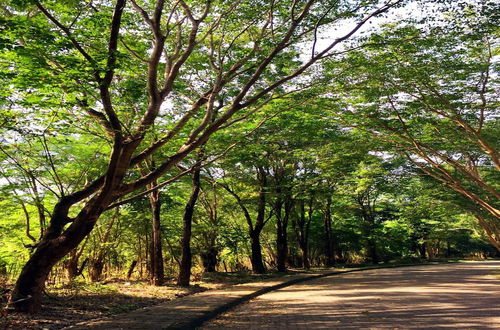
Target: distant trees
430, 90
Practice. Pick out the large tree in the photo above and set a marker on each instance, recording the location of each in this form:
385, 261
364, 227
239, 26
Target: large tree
148, 77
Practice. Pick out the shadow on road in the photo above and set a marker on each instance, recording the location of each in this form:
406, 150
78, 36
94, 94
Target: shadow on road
440, 296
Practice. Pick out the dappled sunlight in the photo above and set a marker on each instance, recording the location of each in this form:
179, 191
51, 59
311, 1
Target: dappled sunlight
440, 296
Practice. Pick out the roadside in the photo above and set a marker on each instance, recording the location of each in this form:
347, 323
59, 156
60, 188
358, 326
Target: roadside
80, 301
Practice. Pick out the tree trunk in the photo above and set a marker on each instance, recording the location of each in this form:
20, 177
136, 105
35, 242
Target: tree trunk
156, 255
257, 262
281, 232
27, 294
282, 249
131, 269
209, 259
97, 264
368, 216
491, 227
305, 256
372, 251
423, 249
329, 243
302, 233
71, 265
96, 267
255, 230
186, 260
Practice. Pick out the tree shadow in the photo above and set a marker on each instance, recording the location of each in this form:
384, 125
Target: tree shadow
457, 296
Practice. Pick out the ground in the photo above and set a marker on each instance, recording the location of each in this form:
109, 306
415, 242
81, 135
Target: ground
454, 296
457, 296
70, 304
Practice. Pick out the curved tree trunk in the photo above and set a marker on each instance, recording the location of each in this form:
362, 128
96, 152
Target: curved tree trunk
71, 265
255, 230
372, 251
491, 228
27, 293
131, 269
302, 232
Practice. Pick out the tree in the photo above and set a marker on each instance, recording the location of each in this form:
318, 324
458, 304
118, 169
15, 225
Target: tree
254, 227
429, 90
116, 65
186, 260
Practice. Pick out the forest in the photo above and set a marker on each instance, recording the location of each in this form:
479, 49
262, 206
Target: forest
159, 141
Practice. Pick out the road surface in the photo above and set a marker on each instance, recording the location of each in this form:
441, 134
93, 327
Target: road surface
453, 296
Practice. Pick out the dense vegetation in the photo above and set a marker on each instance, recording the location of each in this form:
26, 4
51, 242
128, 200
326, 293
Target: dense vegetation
154, 139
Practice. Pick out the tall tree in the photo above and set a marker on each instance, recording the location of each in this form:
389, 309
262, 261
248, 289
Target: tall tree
184, 69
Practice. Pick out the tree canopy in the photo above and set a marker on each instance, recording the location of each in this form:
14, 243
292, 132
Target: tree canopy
236, 135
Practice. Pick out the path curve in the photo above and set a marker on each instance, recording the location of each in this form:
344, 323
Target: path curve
453, 296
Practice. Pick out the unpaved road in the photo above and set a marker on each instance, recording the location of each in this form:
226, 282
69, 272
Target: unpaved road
453, 296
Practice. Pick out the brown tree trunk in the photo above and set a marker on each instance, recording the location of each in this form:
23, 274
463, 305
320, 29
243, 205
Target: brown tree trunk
281, 239
366, 203
131, 269
371, 244
71, 265
186, 260
156, 255
97, 264
27, 293
281, 232
256, 259
209, 259
302, 232
329, 242
372, 251
96, 267
491, 227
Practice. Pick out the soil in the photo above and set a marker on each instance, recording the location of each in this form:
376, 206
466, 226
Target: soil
81, 301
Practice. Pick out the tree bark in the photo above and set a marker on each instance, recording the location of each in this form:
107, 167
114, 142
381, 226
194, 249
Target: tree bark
281, 231
372, 251
209, 259
371, 244
186, 260
71, 265
27, 293
329, 241
255, 230
96, 267
256, 259
491, 228
302, 226
156, 254
131, 269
